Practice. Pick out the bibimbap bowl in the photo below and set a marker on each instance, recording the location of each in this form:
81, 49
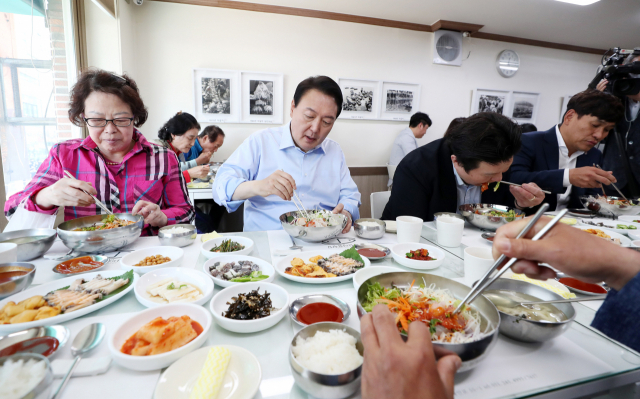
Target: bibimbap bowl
472, 352
312, 234
99, 241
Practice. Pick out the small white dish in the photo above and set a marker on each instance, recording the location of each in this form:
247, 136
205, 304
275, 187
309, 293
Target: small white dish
174, 253
366, 273
634, 236
285, 262
156, 362
391, 227
194, 277
241, 380
635, 244
279, 299
265, 267
628, 219
624, 241
399, 253
207, 246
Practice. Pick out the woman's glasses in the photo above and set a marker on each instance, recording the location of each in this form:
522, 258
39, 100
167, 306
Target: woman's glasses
99, 122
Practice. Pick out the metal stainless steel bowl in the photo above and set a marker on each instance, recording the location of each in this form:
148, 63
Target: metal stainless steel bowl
600, 204
99, 241
16, 284
43, 388
488, 222
528, 330
370, 232
310, 234
177, 239
325, 386
296, 305
471, 353
28, 250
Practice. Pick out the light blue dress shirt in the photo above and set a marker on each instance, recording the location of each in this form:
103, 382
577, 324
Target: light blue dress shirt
467, 194
404, 143
321, 175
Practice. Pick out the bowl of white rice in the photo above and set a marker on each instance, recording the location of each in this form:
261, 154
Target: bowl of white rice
177, 235
25, 375
326, 360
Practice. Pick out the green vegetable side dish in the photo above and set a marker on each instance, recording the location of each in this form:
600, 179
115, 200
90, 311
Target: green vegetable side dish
625, 227
375, 291
496, 187
352, 253
227, 246
254, 276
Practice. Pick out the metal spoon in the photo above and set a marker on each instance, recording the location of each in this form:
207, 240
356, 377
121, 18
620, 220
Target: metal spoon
500, 300
87, 340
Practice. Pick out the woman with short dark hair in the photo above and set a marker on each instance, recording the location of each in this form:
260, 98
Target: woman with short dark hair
115, 163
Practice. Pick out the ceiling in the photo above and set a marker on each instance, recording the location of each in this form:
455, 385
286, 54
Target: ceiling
605, 24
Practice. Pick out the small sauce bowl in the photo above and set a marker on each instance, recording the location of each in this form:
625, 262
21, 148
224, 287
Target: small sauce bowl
299, 303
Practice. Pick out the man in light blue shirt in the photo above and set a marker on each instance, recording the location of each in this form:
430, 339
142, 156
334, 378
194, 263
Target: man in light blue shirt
269, 165
406, 141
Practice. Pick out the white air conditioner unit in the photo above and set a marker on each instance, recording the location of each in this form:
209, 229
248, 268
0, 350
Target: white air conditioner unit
447, 47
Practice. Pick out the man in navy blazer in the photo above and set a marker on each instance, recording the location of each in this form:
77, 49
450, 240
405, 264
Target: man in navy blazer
562, 159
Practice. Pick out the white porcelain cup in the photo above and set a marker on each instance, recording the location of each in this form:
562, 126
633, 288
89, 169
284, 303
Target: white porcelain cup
477, 260
449, 231
409, 228
8, 252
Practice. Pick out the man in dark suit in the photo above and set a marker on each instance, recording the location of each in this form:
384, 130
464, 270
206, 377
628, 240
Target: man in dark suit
561, 159
449, 172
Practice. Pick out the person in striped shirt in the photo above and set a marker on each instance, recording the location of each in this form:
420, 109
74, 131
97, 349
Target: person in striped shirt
115, 162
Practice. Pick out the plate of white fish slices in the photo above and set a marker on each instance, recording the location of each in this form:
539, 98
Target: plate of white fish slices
63, 300
319, 267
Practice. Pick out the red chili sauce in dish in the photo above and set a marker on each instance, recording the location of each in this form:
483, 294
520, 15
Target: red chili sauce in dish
420, 254
582, 286
78, 265
319, 312
372, 253
6, 276
41, 345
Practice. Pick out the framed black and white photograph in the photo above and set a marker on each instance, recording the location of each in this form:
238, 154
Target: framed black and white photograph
399, 101
262, 97
360, 98
563, 109
216, 95
524, 107
485, 100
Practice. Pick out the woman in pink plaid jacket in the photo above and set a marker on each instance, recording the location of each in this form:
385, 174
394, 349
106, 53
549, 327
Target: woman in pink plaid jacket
115, 163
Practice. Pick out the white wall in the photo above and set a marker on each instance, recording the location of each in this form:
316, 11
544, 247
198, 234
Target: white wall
164, 41
103, 48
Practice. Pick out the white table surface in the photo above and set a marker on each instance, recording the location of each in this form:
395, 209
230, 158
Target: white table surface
514, 369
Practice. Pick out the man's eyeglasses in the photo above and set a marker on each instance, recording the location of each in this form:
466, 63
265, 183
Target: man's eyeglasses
99, 122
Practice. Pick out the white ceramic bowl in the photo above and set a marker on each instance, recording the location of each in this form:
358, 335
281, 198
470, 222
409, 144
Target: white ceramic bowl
399, 253
128, 261
265, 267
366, 273
182, 274
206, 247
156, 362
279, 298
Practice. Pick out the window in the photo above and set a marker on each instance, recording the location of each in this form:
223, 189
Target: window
37, 63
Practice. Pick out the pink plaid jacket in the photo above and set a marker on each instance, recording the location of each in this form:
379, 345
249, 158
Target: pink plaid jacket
149, 172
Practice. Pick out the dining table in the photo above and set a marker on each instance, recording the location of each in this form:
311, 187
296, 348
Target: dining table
580, 362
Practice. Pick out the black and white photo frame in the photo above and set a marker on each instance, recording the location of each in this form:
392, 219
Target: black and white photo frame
262, 97
523, 107
360, 98
520, 106
399, 101
487, 100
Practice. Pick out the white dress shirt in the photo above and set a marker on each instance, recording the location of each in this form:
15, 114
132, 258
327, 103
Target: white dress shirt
404, 143
467, 194
567, 163
321, 175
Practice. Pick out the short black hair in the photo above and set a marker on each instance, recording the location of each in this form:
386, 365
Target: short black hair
212, 132
484, 137
603, 106
455, 122
323, 84
178, 125
528, 128
418, 118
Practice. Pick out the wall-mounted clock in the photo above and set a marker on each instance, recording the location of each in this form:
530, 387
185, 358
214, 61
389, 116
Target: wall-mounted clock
508, 63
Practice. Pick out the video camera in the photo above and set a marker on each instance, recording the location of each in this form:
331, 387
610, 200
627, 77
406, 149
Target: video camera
623, 79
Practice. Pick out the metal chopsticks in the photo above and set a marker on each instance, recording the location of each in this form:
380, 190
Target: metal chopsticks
613, 184
520, 185
98, 202
483, 283
301, 209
